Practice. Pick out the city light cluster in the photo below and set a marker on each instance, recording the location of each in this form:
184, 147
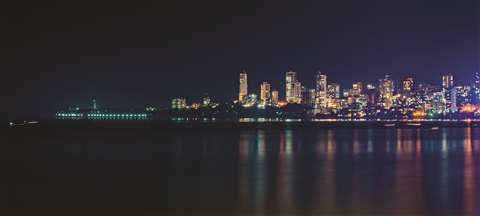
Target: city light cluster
385, 99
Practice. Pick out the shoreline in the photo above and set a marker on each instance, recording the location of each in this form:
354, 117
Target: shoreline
259, 124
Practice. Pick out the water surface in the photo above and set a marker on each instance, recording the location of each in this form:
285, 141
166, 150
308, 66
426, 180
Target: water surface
231, 171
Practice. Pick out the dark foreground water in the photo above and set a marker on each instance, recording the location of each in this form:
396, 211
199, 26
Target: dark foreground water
213, 171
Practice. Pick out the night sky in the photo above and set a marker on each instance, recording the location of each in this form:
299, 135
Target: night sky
129, 54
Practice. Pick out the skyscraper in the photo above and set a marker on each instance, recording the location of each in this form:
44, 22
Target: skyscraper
243, 87
450, 93
477, 80
357, 89
386, 88
451, 99
311, 97
407, 85
293, 88
264, 93
275, 97
321, 88
447, 81
304, 95
297, 91
333, 91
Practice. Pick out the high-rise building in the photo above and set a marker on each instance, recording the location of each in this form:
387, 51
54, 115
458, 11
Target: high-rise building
357, 89
450, 93
333, 91
304, 95
264, 93
321, 88
450, 99
371, 95
298, 92
95, 104
407, 85
463, 94
311, 96
243, 88
447, 81
437, 103
477, 80
275, 97
290, 82
386, 89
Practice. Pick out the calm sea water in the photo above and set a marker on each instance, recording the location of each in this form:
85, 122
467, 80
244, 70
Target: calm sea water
240, 172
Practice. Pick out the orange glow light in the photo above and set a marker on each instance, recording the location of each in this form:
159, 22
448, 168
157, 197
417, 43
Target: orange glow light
282, 103
468, 108
419, 114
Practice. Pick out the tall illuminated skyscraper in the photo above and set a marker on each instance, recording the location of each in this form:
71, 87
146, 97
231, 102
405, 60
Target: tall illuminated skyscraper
275, 97
264, 93
450, 93
447, 81
357, 89
311, 97
407, 85
386, 88
451, 99
95, 104
292, 87
243, 87
333, 91
297, 91
321, 88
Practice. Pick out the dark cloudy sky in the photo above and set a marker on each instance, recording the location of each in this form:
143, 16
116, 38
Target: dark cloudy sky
59, 53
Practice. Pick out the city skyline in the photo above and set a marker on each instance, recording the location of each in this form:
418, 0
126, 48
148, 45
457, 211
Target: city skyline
388, 99
245, 87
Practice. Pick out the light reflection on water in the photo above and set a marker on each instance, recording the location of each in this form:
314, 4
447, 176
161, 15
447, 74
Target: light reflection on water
361, 171
230, 171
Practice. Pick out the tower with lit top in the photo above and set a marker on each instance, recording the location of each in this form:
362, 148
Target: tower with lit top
243, 87
321, 95
290, 84
265, 93
386, 89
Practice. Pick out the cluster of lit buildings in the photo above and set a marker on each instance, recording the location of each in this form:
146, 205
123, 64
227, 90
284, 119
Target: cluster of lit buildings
386, 97
181, 103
